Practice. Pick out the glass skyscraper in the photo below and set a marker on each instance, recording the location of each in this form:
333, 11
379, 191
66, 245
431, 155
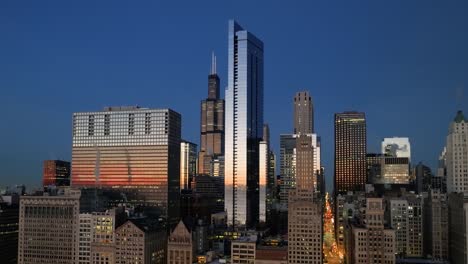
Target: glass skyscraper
244, 126
132, 150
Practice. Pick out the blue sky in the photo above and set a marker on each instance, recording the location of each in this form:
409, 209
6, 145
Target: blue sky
404, 63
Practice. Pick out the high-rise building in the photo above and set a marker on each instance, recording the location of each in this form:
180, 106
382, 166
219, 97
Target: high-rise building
303, 113
244, 126
369, 241
140, 241
131, 149
305, 224
350, 152
406, 218
458, 228
436, 225
56, 172
9, 221
49, 228
179, 245
439, 181
393, 171
457, 155
288, 163
211, 124
267, 181
287, 167
423, 178
399, 147
188, 164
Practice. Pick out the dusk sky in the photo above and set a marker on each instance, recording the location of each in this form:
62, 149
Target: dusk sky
403, 63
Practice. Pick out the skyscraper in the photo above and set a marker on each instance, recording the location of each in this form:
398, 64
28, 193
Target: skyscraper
56, 172
305, 224
131, 149
303, 125
188, 164
350, 152
244, 126
457, 155
436, 225
211, 124
303, 113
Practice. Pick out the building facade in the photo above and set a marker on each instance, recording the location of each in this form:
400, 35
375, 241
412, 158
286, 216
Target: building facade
139, 241
244, 126
179, 245
371, 242
49, 229
85, 238
211, 124
288, 163
305, 222
56, 173
188, 164
303, 113
243, 250
131, 149
350, 152
436, 225
457, 155
406, 218
458, 227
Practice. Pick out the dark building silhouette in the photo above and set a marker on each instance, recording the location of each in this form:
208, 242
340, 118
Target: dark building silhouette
350, 152
423, 178
9, 222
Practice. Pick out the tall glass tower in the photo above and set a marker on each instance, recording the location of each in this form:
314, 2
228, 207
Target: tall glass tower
244, 127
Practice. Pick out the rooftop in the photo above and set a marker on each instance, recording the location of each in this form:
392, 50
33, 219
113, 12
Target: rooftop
460, 117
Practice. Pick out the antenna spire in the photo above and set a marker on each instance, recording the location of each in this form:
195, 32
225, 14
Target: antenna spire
213, 63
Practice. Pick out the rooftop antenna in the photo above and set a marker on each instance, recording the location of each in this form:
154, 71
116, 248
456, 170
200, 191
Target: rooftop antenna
213, 63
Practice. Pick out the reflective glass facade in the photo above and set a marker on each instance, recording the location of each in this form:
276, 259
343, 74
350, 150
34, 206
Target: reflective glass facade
244, 125
263, 172
188, 164
133, 149
56, 172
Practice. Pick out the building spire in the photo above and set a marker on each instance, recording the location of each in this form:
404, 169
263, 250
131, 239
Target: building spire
213, 63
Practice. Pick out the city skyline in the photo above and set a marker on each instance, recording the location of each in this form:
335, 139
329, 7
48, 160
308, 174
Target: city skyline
55, 142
